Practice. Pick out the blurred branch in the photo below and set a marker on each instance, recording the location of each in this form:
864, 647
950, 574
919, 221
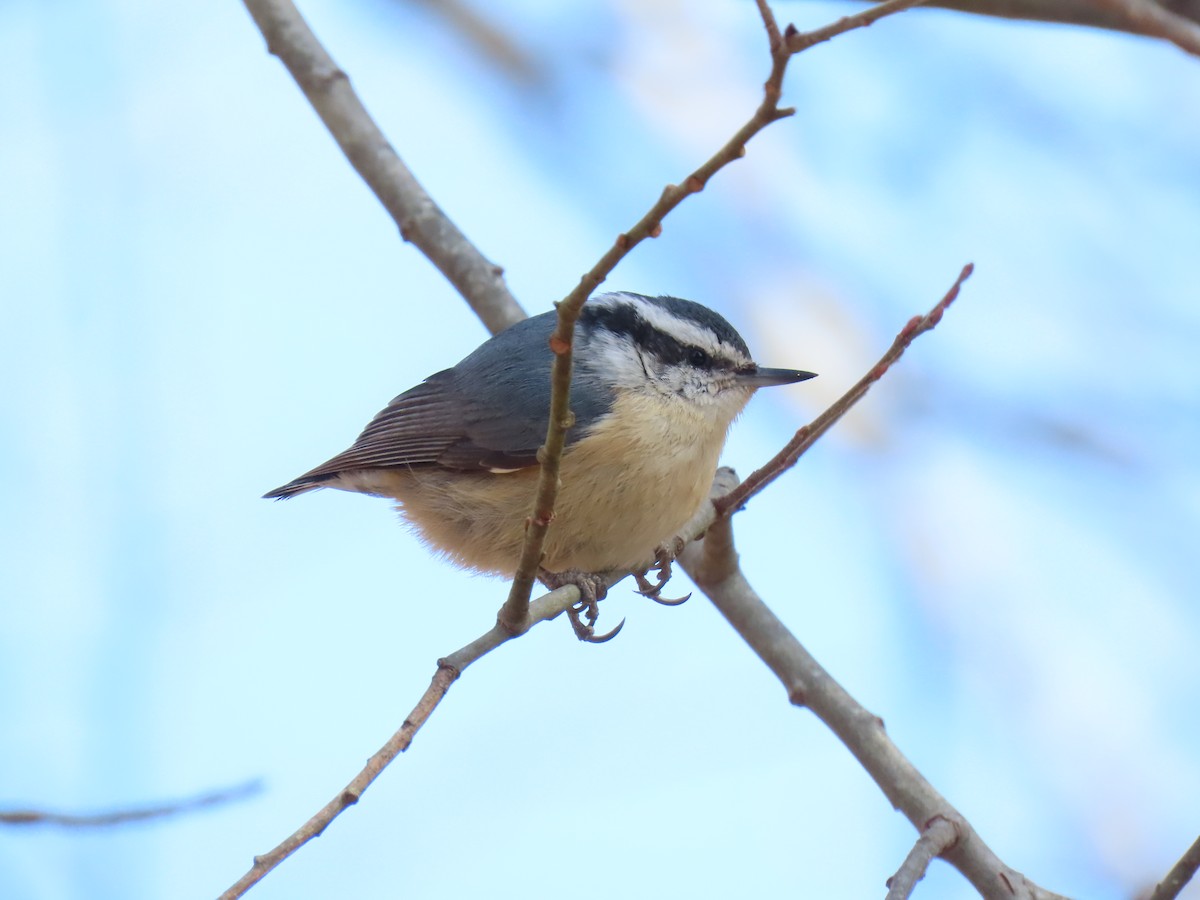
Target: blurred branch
938, 837
810, 433
802, 40
1181, 873
713, 565
782, 48
1154, 20
493, 43
420, 220
1177, 21
132, 814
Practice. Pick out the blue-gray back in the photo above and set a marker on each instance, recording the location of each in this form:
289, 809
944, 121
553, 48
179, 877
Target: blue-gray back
488, 412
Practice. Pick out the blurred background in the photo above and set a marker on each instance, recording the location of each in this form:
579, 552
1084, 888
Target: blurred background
997, 552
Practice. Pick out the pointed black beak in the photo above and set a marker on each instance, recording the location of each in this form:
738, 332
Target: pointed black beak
760, 377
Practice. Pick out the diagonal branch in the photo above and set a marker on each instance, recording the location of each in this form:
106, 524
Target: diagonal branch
1177, 21
449, 668
448, 671
782, 49
937, 837
712, 564
798, 40
1181, 873
808, 435
420, 220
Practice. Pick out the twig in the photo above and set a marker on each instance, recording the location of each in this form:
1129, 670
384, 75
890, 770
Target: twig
1181, 873
808, 435
514, 615
448, 670
712, 564
648, 226
1175, 21
420, 220
938, 837
134, 814
543, 609
798, 40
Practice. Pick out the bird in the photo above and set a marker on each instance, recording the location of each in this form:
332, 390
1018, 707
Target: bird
657, 383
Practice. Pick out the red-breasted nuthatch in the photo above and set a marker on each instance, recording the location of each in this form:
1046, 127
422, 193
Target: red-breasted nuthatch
657, 383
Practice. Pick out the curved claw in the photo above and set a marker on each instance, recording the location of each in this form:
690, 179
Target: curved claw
604, 638
584, 612
644, 587
653, 590
668, 601
584, 630
663, 556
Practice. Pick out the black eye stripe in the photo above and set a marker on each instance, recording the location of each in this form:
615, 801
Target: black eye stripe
623, 318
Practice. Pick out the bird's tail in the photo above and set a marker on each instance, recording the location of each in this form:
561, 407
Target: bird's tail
300, 485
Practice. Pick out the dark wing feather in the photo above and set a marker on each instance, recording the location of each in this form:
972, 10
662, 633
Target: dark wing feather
489, 412
434, 424
413, 430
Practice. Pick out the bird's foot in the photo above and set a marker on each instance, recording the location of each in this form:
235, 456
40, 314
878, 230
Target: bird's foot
583, 615
663, 555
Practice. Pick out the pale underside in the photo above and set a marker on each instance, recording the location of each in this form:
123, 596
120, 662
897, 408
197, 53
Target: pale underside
624, 490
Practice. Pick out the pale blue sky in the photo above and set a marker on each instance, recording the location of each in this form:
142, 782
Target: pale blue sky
997, 553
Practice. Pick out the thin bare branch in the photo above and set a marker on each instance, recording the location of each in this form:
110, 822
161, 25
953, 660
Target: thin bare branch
712, 564
1181, 873
448, 671
1177, 21
798, 41
648, 226
132, 814
514, 614
808, 435
774, 38
420, 220
937, 837
543, 609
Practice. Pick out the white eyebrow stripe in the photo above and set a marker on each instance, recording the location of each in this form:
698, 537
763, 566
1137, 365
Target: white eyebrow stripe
683, 330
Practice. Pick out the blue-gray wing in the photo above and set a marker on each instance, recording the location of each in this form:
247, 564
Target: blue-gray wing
488, 413
442, 422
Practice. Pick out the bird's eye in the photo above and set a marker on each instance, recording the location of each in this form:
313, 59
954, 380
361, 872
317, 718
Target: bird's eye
698, 357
